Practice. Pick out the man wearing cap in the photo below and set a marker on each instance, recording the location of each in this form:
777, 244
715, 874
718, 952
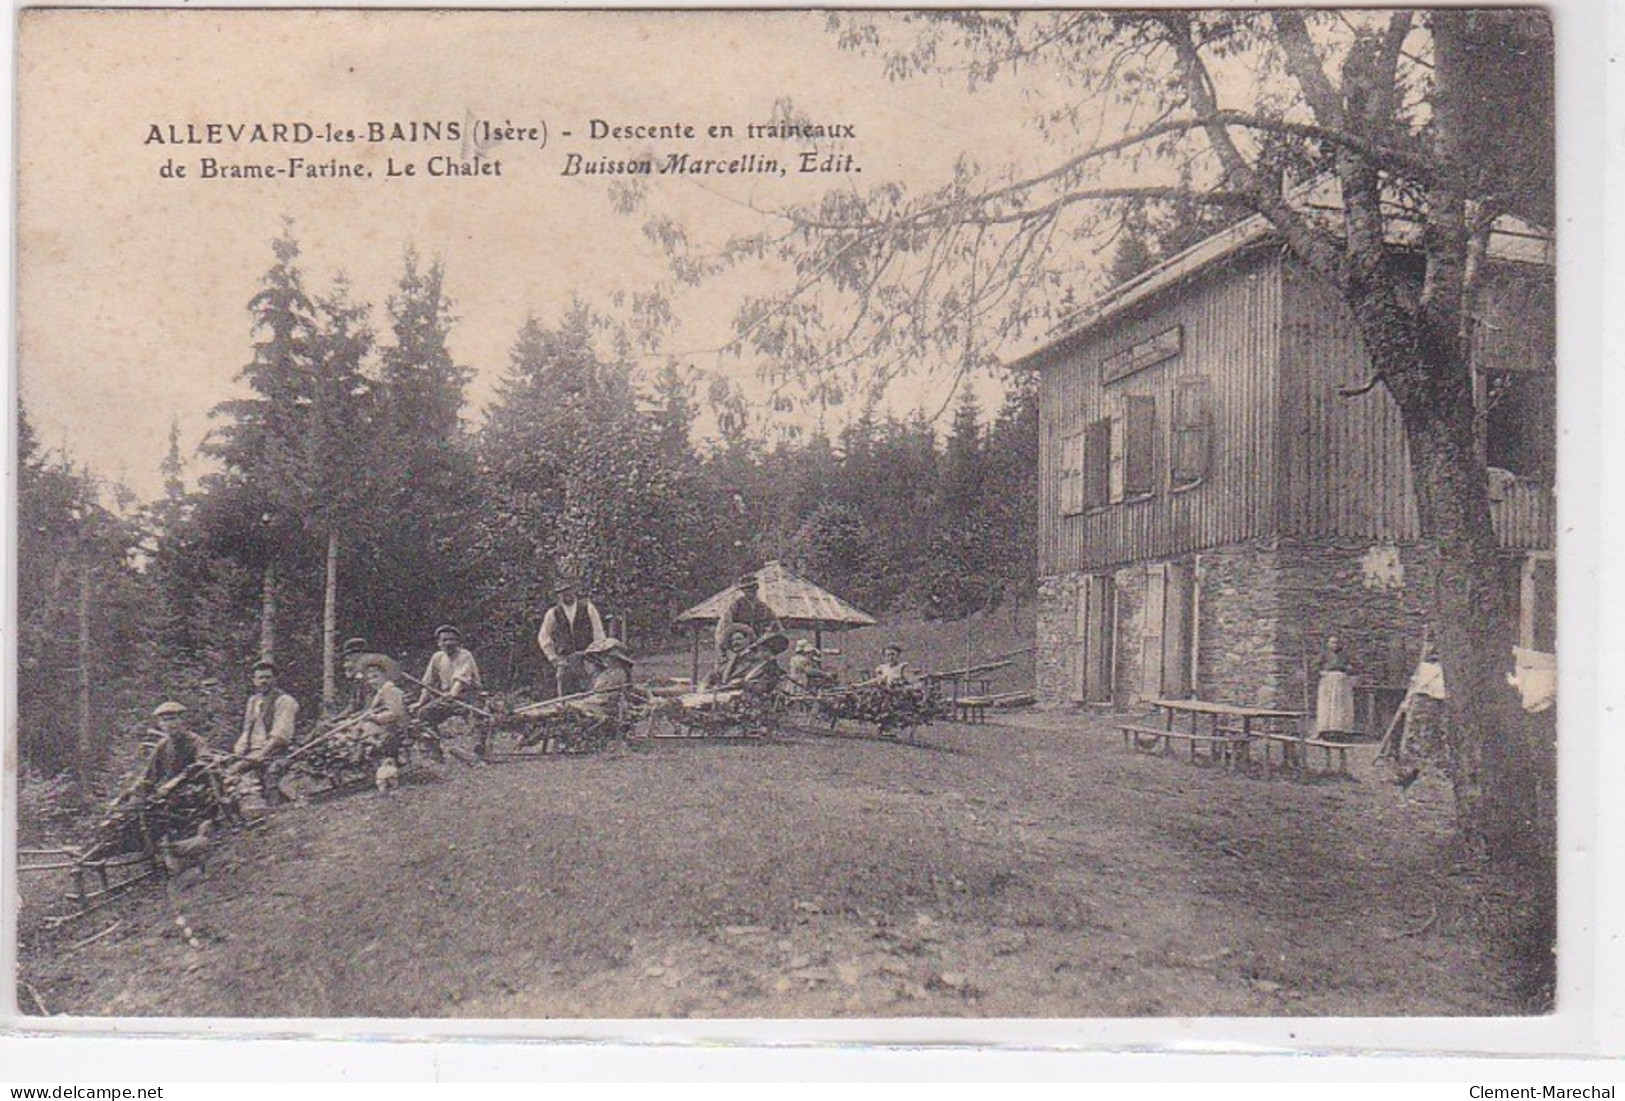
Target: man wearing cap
746, 609
176, 750
452, 673
268, 723
570, 626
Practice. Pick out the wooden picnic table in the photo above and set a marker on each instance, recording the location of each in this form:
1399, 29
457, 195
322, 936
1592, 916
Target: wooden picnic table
971, 689
1218, 712
1229, 725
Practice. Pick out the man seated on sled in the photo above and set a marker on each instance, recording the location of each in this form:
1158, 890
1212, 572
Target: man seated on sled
893, 670
452, 678
385, 717
751, 659
733, 660
610, 667
135, 816
357, 656
176, 750
807, 667
268, 732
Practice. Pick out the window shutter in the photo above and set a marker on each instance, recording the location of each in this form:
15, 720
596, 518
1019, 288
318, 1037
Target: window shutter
1097, 460
1193, 442
1139, 446
1072, 457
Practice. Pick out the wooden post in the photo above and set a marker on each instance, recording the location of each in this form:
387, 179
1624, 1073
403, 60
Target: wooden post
330, 598
83, 749
694, 676
268, 613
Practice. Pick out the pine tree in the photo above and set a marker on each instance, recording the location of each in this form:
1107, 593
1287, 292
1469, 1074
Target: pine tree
580, 470
413, 567
293, 451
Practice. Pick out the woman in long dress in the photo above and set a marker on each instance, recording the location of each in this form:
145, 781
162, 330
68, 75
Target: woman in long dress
1334, 705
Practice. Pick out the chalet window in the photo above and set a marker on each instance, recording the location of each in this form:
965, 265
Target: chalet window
1097, 463
1072, 477
1134, 445
1193, 436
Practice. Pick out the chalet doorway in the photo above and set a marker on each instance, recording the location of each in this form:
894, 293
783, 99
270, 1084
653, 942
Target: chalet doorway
1094, 627
1168, 631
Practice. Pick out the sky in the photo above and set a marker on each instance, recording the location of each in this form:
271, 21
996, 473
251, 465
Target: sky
133, 283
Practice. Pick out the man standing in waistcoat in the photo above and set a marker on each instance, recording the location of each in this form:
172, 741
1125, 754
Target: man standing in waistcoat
570, 626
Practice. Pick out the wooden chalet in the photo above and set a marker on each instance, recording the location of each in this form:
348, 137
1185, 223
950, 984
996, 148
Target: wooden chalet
1211, 508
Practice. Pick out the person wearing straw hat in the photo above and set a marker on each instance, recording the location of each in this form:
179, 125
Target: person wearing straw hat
356, 656
570, 626
609, 666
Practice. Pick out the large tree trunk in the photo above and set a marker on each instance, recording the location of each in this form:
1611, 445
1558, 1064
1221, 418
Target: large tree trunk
268, 613
330, 596
1474, 590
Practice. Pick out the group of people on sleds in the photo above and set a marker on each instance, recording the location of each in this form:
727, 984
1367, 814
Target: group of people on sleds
380, 720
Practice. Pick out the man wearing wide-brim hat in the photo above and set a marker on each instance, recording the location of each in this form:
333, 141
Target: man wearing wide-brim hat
357, 654
609, 665
570, 626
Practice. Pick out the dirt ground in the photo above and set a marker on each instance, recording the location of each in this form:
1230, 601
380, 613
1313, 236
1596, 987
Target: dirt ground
992, 870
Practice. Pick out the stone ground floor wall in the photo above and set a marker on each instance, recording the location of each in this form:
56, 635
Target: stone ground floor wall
1263, 610
1057, 603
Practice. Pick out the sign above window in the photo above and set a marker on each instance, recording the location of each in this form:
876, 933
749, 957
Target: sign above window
1165, 345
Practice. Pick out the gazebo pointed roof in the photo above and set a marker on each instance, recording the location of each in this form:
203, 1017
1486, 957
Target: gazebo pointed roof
796, 601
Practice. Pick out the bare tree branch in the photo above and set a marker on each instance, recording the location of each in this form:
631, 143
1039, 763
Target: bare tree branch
1385, 82
1305, 67
1303, 239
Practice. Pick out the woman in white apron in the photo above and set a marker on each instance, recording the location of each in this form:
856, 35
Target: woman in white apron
1334, 705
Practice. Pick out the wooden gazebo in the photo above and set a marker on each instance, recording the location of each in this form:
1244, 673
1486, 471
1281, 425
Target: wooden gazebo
799, 604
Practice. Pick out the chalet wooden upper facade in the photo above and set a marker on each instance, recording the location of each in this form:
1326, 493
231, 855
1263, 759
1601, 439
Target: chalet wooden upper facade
1230, 426
1197, 409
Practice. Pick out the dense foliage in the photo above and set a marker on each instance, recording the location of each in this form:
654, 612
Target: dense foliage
349, 482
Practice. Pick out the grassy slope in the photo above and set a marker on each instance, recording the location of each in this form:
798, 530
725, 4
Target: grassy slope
991, 871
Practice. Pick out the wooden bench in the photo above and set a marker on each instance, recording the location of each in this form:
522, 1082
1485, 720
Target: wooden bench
972, 709
1220, 746
1302, 745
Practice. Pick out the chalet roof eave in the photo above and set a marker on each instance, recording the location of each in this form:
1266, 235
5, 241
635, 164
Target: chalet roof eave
1200, 256
1513, 240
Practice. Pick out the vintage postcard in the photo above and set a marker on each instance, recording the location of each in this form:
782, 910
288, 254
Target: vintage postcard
884, 522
